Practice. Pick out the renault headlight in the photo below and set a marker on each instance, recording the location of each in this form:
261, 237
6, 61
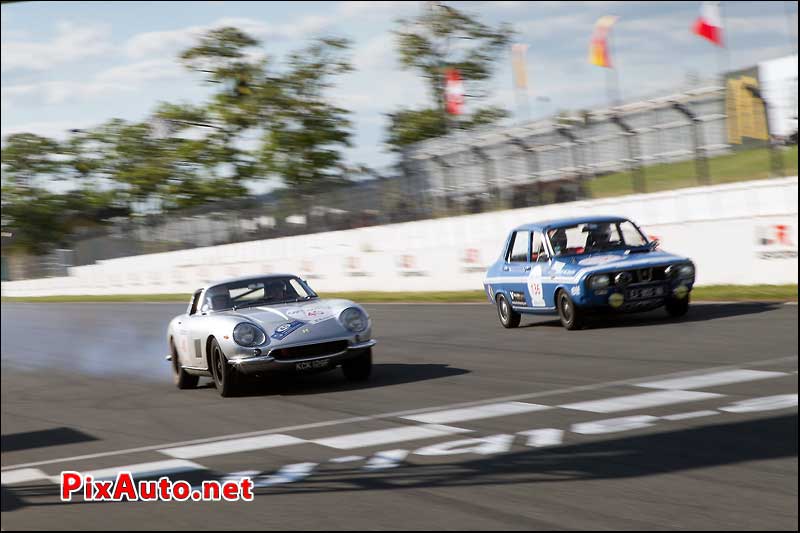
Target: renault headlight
247, 334
354, 319
686, 271
600, 281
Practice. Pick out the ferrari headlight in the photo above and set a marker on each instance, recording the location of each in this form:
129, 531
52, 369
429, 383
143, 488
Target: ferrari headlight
247, 334
354, 319
600, 281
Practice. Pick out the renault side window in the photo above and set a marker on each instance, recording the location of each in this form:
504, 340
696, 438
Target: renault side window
538, 251
518, 251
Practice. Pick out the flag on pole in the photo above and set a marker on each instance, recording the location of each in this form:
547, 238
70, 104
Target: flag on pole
709, 24
598, 48
454, 92
518, 53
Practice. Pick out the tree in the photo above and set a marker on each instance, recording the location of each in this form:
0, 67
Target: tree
305, 131
29, 160
300, 130
427, 44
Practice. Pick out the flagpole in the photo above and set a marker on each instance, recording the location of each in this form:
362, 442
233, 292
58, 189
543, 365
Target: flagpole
614, 76
723, 54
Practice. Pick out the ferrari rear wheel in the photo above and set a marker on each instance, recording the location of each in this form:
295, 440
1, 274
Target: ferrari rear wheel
508, 317
181, 378
224, 374
571, 317
358, 368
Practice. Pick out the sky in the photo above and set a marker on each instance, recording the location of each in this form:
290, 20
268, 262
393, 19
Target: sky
77, 64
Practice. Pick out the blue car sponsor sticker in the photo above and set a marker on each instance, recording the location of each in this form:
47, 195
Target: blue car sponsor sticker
284, 329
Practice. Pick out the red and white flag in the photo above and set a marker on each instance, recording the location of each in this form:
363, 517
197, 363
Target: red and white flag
709, 23
454, 92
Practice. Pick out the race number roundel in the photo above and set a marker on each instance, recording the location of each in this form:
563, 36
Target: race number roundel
535, 287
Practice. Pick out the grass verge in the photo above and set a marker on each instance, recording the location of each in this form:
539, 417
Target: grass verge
709, 293
746, 165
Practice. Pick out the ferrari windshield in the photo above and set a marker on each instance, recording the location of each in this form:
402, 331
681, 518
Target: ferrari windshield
593, 237
257, 291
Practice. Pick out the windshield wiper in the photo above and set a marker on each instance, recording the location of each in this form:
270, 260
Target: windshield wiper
299, 299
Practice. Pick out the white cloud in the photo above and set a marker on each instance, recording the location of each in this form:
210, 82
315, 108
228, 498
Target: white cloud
71, 43
155, 43
378, 52
361, 9
57, 129
59, 92
134, 74
115, 80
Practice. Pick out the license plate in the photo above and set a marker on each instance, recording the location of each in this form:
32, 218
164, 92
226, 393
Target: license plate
644, 292
312, 365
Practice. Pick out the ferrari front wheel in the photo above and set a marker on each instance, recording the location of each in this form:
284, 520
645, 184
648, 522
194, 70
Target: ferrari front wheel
224, 374
358, 368
508, 317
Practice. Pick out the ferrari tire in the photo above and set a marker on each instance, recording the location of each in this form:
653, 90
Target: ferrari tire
223, 373
181, 378
358, 368
570, 315
508, 317
677, 307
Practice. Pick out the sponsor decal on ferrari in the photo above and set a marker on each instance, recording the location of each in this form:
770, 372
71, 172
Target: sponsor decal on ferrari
313, 314
285, 329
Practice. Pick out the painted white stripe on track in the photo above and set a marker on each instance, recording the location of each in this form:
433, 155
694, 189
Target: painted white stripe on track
386, 459
640, 401
476, 413
287, 474
23, 475
232, 446
152, 469
711, 380
388, 436
693, 414
381, 416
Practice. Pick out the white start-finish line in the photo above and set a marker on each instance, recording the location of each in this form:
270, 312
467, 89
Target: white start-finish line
481, 410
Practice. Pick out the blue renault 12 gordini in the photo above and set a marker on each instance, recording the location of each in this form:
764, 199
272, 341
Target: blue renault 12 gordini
577, 265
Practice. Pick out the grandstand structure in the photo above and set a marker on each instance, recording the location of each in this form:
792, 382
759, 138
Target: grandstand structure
499, 163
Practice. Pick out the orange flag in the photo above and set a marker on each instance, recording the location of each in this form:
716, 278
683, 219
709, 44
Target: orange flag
598, 48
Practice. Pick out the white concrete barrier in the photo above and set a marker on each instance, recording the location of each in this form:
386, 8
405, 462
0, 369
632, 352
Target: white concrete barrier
741, 233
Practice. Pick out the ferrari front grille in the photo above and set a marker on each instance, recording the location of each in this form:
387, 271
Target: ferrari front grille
309, 350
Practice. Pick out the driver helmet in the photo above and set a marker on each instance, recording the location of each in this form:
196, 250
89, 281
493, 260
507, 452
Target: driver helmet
600, 235
558, 239
274, 290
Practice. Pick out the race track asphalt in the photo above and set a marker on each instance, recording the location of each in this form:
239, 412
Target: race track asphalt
85, 387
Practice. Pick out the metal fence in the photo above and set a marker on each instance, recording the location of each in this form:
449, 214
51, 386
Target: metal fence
572, 156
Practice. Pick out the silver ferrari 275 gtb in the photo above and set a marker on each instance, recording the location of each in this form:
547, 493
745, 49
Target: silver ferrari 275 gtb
262, 324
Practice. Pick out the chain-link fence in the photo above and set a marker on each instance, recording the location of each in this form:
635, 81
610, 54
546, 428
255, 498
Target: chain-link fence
662, 143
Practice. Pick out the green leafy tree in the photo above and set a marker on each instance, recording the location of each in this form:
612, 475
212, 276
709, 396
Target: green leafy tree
31, 212
30, 160
441, 38
301, 132
305, 131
